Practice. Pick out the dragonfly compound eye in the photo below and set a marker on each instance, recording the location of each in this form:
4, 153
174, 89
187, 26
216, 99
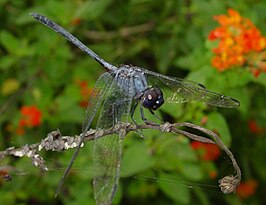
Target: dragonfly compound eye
153, 98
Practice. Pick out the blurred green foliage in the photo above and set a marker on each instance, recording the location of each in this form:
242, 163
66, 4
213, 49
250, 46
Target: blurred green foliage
38, 67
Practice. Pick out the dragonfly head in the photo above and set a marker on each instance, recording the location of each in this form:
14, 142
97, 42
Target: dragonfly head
152, 98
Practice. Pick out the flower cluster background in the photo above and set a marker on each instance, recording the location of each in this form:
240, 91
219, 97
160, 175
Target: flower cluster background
45, 84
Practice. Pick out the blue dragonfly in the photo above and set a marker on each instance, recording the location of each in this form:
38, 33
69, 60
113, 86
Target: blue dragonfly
115, 97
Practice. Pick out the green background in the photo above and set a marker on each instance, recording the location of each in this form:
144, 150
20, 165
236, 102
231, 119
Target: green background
169, 37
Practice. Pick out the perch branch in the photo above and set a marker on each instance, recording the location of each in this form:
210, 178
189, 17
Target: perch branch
56, 142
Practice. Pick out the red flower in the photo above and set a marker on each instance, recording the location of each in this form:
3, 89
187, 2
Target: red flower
210, 151
254, 127
246, 189
240, 43
85, 91
30, 117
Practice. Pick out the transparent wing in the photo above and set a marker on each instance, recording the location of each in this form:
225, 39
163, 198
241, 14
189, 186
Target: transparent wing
177, 90
95, 101
108, 149
99, 93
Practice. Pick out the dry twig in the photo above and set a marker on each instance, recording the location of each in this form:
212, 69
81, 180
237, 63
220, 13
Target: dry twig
55, 142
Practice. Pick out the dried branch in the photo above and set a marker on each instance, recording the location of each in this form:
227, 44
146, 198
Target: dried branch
56, 142
121, 33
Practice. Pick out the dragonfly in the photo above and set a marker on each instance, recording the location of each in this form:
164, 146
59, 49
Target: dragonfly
116, 94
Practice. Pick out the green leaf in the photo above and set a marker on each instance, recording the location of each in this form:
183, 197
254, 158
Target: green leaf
9, 41
191, 171
7, 61
173, 187
242, 95
82, 193
173, 109
14, 45
68, 109
217, 123
200, 75
201, 197
220, 81
261, 79
94, 9
173, 152
195, 61
165, 53
136, 159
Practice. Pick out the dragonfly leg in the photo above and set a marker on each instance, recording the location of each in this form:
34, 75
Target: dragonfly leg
133, 120
158, 118
148, 122
133, 111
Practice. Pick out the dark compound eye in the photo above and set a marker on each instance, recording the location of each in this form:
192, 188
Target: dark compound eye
153, 98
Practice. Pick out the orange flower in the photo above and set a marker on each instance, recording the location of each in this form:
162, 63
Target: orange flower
213, 174
30, 117
210, 151
75, 21
240, 43
246, 189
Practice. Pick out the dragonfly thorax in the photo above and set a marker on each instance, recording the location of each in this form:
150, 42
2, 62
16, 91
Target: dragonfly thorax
131, 79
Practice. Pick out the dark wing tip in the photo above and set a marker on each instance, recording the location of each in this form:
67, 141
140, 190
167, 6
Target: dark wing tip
236, 102
230, 102
201, 86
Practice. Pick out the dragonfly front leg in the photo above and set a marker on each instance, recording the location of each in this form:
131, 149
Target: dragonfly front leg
158, 118
145, 120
